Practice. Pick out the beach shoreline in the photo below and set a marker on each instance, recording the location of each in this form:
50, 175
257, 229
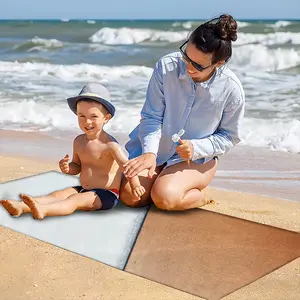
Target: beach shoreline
245, 169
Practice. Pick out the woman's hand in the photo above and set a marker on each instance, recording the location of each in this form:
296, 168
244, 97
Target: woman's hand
145, 161
185, 150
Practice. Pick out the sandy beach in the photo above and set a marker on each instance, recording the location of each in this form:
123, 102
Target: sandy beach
239, 190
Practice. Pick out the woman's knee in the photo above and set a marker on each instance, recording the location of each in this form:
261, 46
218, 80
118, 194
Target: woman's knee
166, 197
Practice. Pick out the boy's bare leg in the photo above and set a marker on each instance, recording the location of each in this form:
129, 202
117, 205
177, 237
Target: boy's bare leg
82, 201
17, 208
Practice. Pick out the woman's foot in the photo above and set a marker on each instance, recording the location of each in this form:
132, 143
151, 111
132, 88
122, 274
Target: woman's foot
206, 199
13, 207
34, 206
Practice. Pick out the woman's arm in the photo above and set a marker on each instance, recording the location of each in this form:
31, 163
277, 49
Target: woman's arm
152, 113
228, 133
150, 127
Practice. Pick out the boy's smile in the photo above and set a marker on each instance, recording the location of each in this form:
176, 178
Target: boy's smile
91, 117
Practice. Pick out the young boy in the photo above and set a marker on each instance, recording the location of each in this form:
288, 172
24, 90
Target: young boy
96, 156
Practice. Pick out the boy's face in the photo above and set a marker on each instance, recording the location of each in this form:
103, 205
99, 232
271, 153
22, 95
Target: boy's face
91, 117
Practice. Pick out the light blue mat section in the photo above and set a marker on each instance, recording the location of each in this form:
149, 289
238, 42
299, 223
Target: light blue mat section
107, 236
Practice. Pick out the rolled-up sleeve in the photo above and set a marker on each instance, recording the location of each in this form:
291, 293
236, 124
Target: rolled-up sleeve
152, 113
227, 134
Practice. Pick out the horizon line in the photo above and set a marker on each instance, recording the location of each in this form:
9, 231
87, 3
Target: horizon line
142, 19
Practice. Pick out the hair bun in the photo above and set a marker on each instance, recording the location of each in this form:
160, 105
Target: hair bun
227, 28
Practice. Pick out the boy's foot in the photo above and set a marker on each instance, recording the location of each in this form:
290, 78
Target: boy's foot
34, 206
12, 206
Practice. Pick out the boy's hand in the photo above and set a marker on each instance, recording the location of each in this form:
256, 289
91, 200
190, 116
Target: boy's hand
64, 164
138, 191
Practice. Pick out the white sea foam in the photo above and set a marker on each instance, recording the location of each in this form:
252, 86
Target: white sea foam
11, 71
187, 24
39, 44
242, 24
276, 134
33, 96
276, 38
260, 57
280, 23
125, 36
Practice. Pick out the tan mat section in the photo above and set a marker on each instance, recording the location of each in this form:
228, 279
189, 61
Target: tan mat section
32, 270
208, 254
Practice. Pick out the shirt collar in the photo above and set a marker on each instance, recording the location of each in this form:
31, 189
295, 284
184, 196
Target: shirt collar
205, 84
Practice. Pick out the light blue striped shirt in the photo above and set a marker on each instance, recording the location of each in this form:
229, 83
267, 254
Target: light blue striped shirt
210, 113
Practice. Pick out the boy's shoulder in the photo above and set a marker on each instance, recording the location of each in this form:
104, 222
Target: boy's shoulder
79, 138
111, 139
112, 142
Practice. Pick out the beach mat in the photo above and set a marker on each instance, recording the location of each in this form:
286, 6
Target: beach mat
106, 236
208, 254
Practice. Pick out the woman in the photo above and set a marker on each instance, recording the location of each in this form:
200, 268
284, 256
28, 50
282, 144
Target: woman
191, 90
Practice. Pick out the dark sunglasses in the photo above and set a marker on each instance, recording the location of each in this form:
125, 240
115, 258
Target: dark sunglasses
194, 64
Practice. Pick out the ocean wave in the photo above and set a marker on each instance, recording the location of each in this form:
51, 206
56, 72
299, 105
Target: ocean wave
276, 38
279, 24
262, 58
242, 24
126, 36
46, 117
275, 134
39, 44
186, 24
68, 73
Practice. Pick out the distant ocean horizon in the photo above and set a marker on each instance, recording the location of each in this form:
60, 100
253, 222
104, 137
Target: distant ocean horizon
147, 19
44, 61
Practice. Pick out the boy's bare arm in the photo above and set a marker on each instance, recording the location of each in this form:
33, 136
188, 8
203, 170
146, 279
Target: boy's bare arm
74, 167
75, 164
121, 159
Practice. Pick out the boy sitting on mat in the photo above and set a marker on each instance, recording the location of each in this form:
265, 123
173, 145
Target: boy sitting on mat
96, 156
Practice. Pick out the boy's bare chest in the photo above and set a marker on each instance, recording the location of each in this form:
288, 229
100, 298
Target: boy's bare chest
94, 153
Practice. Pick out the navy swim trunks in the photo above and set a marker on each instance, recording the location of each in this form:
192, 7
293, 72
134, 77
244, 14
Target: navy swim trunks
109, 198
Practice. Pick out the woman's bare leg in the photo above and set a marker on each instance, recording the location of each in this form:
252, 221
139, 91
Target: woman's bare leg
129, 199
63, 207
17, 208
179, 187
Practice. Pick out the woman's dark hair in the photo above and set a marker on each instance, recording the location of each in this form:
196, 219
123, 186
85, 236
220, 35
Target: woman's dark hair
215, 36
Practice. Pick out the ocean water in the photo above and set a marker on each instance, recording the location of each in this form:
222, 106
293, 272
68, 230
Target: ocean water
44, 62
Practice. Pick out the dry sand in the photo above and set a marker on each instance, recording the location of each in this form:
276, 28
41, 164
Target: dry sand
17, 167
32, 269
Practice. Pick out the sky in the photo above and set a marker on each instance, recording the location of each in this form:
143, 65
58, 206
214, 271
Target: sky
151, 9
